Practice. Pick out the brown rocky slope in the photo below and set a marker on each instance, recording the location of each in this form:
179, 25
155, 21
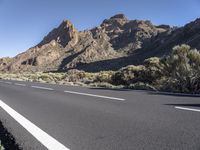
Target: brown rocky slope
116, 43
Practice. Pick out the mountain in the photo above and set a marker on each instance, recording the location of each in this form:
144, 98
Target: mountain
115, 43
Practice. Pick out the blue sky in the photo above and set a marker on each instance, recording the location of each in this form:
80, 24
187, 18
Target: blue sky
23, 23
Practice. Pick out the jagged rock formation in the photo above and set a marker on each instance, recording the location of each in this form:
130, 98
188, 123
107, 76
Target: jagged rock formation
4, 62
128, 35
65, 34
117, 42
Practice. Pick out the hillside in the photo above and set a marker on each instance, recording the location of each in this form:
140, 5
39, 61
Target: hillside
116, 43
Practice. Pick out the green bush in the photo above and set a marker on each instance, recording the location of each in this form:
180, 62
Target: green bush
128, 75
181, 70
153, 70
104, 76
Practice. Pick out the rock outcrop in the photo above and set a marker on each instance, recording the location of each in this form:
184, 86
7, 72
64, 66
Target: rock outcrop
65, 34
4, 62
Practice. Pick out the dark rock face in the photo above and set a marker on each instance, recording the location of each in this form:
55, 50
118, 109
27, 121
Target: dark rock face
117, 42
135, 34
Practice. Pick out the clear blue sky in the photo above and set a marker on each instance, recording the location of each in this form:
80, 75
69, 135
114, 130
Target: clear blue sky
23, 23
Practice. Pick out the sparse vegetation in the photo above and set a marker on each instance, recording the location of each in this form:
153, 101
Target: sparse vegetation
177, 72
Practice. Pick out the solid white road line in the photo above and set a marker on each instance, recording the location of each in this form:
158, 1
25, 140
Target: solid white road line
190, 109
43, 88
48, 141
93, 95
20, 84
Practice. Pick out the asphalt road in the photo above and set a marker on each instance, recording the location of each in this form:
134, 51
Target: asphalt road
77, 118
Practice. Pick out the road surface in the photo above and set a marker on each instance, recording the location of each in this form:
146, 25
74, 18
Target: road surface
43, 116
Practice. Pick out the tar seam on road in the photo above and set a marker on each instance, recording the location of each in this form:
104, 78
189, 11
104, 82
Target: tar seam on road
93, 95
43, 88
48, 141
190, 109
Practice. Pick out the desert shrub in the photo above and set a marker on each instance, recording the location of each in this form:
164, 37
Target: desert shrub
79, 76
104, 76
57, 76
89, 76
181, 70
128, 75
153, 70
45, 77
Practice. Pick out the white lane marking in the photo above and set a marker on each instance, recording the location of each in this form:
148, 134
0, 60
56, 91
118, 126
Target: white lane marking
48, 141
8, 82
93, 95
43, 88
190, 109
20, 84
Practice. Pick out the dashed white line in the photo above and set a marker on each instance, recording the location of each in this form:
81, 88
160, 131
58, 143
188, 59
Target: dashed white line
8, 82
93, 95
48, 141
43, 88
20, 84
72, 92
190, 109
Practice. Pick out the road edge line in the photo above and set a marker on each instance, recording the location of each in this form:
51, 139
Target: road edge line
44, 138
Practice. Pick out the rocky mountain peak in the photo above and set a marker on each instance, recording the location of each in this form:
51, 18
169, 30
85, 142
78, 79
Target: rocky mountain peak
134, 24
65, 33
116, 21
66, 24
119, 16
